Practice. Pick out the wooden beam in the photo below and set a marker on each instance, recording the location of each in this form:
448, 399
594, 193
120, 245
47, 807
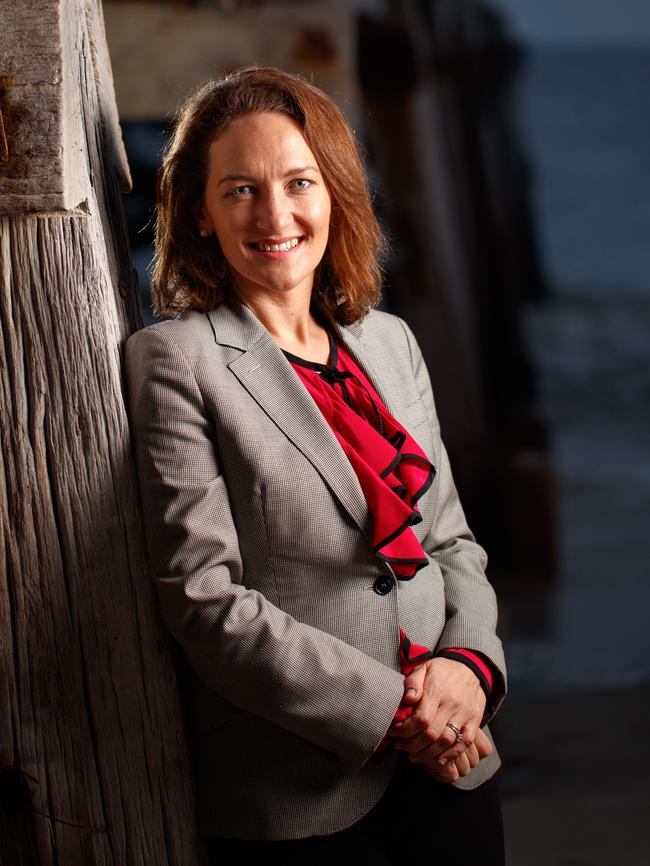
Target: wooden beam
43, 167
94, 766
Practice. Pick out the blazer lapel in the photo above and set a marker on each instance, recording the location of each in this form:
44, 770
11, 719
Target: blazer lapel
371, 358
264, 371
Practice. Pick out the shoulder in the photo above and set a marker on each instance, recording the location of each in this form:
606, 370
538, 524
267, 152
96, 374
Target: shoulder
379, 322
183, 334
166, 354
388, 330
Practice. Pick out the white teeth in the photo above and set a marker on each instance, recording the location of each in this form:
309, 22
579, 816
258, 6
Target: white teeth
277, 248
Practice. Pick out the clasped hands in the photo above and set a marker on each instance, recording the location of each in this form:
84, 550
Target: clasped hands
443, 691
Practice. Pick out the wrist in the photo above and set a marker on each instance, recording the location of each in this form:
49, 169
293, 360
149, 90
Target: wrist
474, 662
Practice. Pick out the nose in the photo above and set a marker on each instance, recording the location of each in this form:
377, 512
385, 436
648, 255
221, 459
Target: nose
273, 211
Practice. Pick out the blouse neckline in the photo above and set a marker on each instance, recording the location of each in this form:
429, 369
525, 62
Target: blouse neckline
315, 365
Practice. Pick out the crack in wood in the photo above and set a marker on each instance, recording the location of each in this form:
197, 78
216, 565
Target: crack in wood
15, 796
4, 147
5, 81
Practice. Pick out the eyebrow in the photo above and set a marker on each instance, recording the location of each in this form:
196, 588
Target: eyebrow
299, 170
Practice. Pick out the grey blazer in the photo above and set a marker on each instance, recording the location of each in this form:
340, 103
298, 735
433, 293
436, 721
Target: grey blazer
258, 537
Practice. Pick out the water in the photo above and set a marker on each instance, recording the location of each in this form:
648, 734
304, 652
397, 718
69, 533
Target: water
585, 118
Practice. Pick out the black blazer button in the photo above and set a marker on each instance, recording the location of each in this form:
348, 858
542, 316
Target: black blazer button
383, 585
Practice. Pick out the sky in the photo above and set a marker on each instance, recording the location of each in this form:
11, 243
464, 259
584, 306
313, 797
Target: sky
589, 22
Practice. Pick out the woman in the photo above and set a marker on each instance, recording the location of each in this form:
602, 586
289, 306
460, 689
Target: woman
310, 553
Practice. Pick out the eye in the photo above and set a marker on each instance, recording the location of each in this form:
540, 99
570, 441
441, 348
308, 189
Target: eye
302, 180
238, 191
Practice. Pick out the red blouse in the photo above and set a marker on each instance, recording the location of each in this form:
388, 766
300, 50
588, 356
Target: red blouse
394, 473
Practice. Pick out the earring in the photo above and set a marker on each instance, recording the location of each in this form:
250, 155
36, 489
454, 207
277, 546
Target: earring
203, 233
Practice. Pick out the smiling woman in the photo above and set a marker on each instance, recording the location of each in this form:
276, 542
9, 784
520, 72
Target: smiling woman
292, 477
273, 231
189, 273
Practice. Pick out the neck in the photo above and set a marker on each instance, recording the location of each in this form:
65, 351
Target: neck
288, 318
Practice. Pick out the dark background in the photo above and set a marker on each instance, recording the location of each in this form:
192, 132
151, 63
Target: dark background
548, 212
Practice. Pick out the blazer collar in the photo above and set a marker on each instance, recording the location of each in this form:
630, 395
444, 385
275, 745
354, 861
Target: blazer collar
234, 324
267, 375
372, 358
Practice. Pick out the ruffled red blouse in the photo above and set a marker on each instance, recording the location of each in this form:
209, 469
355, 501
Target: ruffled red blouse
392, 469
393, 472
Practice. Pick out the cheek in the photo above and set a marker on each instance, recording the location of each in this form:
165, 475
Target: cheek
228, 229
321, 214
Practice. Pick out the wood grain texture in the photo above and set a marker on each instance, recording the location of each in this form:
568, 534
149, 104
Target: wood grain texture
45, 47
93, 759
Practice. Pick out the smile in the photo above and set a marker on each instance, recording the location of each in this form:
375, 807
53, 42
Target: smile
283, 247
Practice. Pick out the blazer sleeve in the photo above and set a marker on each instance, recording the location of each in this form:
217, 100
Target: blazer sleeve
242, 646
471, 607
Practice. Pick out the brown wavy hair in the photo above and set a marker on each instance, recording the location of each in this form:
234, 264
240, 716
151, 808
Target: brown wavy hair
190, 272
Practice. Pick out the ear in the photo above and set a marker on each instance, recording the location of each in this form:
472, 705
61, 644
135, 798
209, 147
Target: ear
202, 223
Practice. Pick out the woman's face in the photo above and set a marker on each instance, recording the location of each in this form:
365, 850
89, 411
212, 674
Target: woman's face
264, 189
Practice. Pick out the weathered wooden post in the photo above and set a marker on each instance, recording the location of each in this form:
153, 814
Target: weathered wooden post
93, 760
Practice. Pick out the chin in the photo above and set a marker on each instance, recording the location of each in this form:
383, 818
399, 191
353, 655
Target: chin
283, 287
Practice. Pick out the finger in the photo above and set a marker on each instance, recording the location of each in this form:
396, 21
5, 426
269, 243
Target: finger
462, 764
419, 720
468, 731
410, 727
448, 709
448, 756
473, 756
444, 731
480, 748
426, 737
444, 774
414, 684
435, 748
483, 744
417, 743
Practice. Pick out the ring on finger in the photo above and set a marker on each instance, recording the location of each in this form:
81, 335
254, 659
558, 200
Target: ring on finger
457, 731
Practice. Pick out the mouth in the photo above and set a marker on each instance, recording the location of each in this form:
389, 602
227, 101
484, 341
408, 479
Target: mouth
279, 249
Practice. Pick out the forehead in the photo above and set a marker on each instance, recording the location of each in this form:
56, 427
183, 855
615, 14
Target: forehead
264, 139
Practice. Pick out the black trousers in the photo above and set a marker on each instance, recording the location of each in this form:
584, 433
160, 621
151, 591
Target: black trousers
417, 819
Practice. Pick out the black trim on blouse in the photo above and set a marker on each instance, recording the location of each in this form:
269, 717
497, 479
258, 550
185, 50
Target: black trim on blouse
334, 376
